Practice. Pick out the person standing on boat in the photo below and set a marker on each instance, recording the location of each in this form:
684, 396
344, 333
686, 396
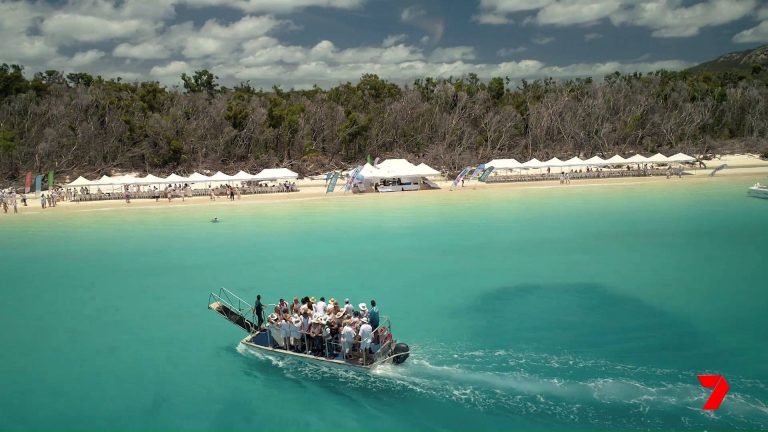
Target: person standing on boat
319, 307
373, 314
366, 331
347, 337
348, 308
258, 310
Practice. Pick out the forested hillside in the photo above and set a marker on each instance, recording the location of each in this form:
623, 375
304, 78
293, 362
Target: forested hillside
80, 124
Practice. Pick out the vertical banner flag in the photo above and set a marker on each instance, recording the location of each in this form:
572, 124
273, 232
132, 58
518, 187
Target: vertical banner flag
332, 182
485, 174
370, 161
354, 177
28, 182
39, 183
461, 176
480, 168
50, 180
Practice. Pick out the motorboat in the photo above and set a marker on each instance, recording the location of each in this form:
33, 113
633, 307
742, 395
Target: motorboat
758, 191
267, 339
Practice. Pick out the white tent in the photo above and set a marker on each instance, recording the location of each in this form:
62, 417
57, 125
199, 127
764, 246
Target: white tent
80, 181
616, 160
658, 158
395, 164
681, 157
574, 161
554, 163
637, 159
104, 180
124, 180
595, 161
242, 175
427, 170
197, 177
175, 178
369, 171
150, 179
274, 174
533, 163
504, 164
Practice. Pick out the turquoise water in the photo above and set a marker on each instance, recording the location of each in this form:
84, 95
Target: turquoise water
579, 308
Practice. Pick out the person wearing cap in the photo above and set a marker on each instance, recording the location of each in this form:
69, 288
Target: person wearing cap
363, 310
373, 314
366, 331
348, 308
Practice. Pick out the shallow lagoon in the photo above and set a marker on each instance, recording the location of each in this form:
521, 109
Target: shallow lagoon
582, 307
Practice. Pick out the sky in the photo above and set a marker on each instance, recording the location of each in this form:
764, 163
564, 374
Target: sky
301, 43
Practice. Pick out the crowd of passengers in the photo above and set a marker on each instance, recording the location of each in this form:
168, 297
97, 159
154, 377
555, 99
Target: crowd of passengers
324, 328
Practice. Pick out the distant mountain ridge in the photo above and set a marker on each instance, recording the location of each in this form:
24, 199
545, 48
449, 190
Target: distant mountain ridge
739, 61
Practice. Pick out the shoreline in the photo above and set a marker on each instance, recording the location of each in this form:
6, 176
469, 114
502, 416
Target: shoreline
314, 192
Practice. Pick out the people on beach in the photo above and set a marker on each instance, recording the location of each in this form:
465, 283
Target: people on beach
42, 200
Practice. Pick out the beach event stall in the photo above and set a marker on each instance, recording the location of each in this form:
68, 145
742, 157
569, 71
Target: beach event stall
595, 161
681, 157
637, 159
79, 182
504, 164
427, 171
175, 178
553, 163
242, 176
574, 161
533, 163
275, 174
658, 158
616, 160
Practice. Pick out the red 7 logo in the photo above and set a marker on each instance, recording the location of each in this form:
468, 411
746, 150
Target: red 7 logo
720, 386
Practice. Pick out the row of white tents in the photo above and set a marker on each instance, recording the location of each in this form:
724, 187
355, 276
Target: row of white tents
595, 161
270, 174
397, 168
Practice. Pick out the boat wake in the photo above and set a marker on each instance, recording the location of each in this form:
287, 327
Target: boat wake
565, 388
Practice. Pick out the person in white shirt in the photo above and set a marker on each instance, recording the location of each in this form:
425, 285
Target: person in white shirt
295, 331
348, 308
285, 331
347, 337
320, 307
363, 311
366, 331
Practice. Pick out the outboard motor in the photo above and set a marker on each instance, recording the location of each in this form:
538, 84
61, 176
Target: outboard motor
400, 353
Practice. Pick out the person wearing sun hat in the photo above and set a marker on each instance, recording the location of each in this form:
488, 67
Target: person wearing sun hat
296, 332
347, 337
316, 336
363, 310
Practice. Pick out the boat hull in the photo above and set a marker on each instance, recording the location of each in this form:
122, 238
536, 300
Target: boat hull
283, 354
758, 192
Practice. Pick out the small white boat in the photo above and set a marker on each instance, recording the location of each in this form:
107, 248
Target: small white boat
758, 191
384, 348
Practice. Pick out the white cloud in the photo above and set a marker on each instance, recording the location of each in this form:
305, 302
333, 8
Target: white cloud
276, 6
393, 40
570, 12
452, 54
508, 52
84, 58
491, 19
758, 33
144, 50
67, 28
665, 18
592, 36
542, 40
411, 13
173, 70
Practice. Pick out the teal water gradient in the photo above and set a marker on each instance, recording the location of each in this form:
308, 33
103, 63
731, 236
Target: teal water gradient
581, 308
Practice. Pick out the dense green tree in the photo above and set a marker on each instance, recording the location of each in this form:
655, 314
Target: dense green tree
202, 81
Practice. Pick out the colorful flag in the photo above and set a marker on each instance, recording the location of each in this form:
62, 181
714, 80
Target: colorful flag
354, 177
28, 182
39, 183
461, 176
370, 161
485, 174
332, 182
50, 180
480, 168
